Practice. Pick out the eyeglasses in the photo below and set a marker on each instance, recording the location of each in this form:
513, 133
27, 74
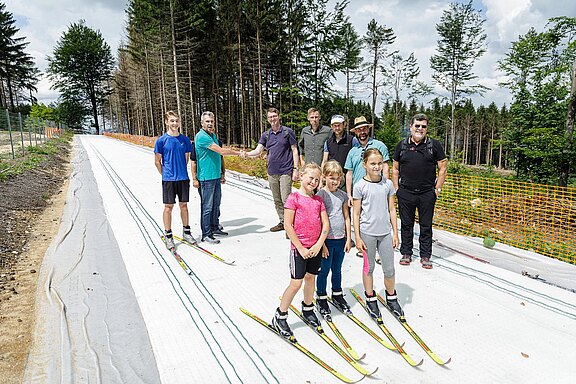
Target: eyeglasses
420, 126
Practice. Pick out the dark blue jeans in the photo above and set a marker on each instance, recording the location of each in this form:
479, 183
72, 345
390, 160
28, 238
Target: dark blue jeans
210, 205
332, 263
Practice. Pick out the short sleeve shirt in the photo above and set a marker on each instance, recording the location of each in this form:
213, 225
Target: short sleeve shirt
209, 162
417, 166
333, 201
173, 150
279, 146
374, 214
354, 158
307, 221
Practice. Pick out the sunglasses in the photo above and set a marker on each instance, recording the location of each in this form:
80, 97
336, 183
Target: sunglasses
420, 126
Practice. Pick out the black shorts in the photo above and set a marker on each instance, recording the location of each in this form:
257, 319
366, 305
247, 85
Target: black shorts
171, 189
299, 266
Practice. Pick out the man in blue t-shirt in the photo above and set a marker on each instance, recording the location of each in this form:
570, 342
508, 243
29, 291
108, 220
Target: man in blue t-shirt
282, 159
171, 155
209, 174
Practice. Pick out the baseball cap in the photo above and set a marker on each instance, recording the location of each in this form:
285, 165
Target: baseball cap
337, 119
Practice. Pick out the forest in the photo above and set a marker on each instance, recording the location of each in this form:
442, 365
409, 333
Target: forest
236, 58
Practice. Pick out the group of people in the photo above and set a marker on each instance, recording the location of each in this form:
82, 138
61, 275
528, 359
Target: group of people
338, 172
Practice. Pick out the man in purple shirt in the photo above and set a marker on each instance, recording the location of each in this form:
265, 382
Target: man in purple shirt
280, 142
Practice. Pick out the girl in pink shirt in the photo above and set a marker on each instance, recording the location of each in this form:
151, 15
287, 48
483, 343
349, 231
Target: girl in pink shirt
306, 224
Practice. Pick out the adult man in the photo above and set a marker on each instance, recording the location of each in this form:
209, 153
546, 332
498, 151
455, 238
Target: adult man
171, 155
414, 177
354, 159
355, 170
280, 142
339, 143
209, 163
312, 139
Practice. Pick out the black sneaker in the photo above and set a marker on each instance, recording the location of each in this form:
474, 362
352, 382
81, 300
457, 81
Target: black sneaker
372, 305
339, 301
211, 240
280, 324
277, 228
309, 315
392, 303
322, 305
219, 232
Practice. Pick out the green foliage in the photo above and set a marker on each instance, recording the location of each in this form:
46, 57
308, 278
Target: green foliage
389, 134
41, 111
81, 67
18, 74
539, 68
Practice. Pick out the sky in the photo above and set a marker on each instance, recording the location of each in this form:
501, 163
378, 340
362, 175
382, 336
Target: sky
43, 22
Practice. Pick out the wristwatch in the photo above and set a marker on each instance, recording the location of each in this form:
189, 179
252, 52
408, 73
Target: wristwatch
439, 190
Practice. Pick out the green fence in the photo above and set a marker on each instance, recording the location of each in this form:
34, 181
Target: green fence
17, 132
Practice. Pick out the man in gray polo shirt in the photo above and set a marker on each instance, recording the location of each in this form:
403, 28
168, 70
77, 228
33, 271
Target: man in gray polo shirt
312, 139
282, 159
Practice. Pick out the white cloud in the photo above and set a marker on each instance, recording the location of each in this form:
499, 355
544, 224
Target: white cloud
42, 22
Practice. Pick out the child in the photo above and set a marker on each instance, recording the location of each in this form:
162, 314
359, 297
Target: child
338, 239
306, 224
376, 228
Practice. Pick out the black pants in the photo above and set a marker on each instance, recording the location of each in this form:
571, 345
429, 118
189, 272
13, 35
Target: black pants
408, 202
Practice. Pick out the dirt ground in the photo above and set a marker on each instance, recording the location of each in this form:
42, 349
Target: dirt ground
31, 205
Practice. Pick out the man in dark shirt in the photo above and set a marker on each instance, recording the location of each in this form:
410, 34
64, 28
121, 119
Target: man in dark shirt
339, 143
414, 177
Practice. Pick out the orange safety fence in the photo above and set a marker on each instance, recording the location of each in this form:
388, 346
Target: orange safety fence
135, 139
530, 216
52, 132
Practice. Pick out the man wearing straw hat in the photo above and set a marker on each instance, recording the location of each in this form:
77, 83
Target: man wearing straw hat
353, 165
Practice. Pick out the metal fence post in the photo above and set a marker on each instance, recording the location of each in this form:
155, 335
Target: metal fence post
10, 131
21, 133
29, 134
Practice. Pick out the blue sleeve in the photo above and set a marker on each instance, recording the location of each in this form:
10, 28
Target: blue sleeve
348, 164
326, 146
263, 139
355, 142
159, 145
193, 153
292, 137
384, 149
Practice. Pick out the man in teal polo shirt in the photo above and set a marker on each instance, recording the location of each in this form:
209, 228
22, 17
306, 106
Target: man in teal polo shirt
210, 176
354, 159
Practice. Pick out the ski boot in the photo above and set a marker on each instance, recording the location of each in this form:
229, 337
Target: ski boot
372, 305
392, 304
281, 325
189, 238
339, 301
309, 316
169, 241
322, 305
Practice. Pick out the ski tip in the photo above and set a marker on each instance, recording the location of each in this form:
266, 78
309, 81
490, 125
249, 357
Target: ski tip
420, 363
447, 361
362, 358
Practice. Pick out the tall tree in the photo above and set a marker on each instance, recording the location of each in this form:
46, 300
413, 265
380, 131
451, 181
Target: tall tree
377, 39
461, 44
17, 70
539, 136
81, 66
352, 58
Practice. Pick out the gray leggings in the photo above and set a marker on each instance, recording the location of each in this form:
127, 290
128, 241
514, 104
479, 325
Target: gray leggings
384, 246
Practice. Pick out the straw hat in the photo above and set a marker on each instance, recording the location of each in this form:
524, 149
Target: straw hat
360, 122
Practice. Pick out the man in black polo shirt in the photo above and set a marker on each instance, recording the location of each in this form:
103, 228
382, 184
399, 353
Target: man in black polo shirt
414, 177
339, 144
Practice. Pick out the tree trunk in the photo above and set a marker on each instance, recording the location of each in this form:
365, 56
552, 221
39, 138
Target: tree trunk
564, 173
260, 103
174, 59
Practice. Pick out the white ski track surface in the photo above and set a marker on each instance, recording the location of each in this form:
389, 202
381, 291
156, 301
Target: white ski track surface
497, 325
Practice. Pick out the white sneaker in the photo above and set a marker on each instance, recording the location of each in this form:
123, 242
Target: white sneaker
169, 242
189, 238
